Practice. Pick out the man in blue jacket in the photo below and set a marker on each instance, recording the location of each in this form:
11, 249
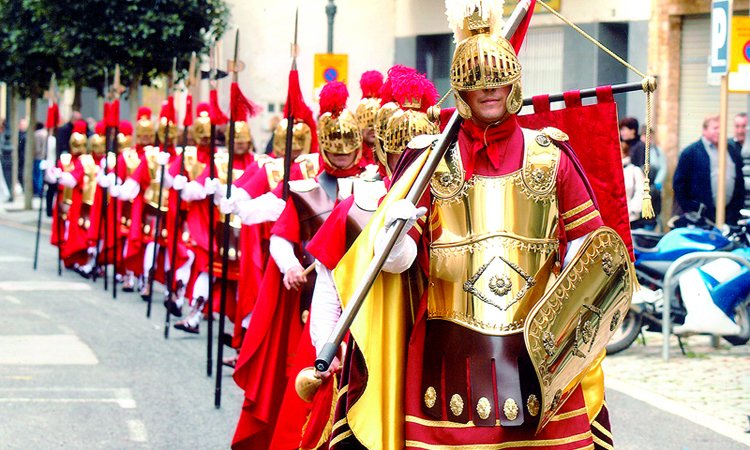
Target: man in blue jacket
697, 175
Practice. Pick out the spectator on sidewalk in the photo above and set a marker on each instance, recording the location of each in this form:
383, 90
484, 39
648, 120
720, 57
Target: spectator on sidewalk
633, 187
740, 130
40, 154
629, 135
697, 176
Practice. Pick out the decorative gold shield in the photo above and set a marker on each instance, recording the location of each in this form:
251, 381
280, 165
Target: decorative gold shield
572, 323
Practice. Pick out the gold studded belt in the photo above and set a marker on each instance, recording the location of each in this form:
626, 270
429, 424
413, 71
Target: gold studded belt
461, 368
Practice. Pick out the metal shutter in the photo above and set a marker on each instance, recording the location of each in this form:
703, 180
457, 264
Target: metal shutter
541, 57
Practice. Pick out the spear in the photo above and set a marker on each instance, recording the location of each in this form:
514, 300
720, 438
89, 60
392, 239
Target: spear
162, 169
235, 67
112, 128
103, 219
52, 116
191, 80
290, 118
448, 136
213, 74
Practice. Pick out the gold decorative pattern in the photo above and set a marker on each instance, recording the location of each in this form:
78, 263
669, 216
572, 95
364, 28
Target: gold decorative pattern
555, 134
457, 405
500, 285
542, 140
615, 321
510, 409
470, 285
532, 404
430, 397
582, 207
549, 343
448, 180
582, 220
556, 400
608, 264
484, 408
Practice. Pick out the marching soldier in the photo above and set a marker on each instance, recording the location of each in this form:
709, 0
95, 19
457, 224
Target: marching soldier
506, 233
370, 82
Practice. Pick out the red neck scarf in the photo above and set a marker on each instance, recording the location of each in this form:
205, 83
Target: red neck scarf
496, 142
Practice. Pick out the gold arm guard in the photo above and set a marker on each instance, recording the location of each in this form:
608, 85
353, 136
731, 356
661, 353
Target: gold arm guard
570, 326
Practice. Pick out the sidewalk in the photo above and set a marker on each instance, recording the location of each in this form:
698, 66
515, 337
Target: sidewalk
13, 213
711, 386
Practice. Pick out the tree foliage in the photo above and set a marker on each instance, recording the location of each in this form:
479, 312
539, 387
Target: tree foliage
78, 39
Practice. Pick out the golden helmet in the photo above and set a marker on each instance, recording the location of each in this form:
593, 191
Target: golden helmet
381, 122
338, 128
201, 127
483, 60
78, 138
97, 144
301, 138
405, 125
242, 132
370, 82
124, 136
144, 126
163, 129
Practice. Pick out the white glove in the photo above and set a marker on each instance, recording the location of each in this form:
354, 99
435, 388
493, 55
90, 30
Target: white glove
403, 209
44, 164
210, 185
68, 180
129, 190
179, 183
52, 174
193, 191
163, 158
103, 163
114, 190
105, 180
266, 208
228, 205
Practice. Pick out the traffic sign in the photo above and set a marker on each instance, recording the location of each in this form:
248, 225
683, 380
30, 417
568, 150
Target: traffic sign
739, 58
329, 67
721, 18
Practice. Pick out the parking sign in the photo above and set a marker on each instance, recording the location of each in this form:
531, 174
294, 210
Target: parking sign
721, 18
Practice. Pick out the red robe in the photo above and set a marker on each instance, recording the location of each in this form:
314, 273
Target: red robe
74, 241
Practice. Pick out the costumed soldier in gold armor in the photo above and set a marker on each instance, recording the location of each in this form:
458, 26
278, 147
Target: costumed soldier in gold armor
524, 284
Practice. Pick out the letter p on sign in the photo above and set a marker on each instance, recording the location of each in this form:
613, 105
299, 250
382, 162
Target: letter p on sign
720, 20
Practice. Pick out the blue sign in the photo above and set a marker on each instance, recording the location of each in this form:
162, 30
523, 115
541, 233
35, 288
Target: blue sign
721, 18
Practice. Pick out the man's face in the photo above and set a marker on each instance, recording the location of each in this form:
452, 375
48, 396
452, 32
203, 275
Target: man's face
740, 125
368, 136
241, 148
340, 161
711, 132
487, 105
145, 139
204, 141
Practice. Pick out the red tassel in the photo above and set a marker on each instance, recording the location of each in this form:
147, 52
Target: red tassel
113, 120
217, 115
412, 89
188, 121
167, 110
240, 106
299, 109
333, 98
394, 73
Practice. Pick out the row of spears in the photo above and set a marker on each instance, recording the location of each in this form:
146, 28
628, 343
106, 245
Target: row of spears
104, 214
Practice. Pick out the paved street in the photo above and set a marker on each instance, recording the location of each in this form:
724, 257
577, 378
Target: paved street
79, 370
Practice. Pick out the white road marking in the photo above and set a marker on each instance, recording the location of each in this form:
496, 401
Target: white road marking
123, 397
678, 409
11, 299
137, 431
13, 259
24, 286
41, 314
34, 350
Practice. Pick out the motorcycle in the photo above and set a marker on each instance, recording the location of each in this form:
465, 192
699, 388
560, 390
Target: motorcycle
709, 298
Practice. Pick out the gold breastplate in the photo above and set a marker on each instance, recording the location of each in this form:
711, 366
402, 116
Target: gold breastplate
193, 167
132, 160
90, 169
66, 160
151, 195
493, 240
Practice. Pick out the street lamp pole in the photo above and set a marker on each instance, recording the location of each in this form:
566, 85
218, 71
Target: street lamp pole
331, 13
7, 147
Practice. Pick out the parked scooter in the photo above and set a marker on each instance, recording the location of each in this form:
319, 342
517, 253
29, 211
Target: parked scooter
709, 298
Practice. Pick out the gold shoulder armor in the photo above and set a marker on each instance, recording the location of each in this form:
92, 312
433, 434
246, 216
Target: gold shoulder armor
422, 141
555, 134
